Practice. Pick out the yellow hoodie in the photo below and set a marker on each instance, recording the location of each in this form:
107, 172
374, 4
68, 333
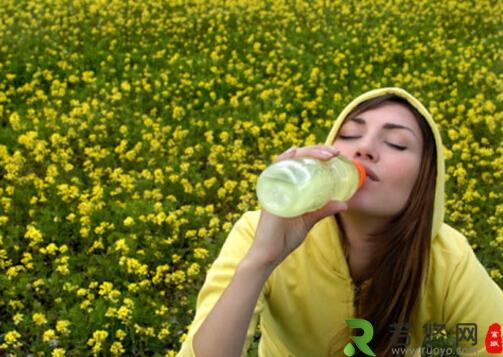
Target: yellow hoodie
310, 295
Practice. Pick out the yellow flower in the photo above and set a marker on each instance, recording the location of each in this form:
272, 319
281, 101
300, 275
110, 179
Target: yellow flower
128, 302
120, 334
227, 226
111, 312
128, 222
163, 333
98, 338
105, 288
62, 327
88, 77
26, 260
15, 121
214, 222
17, 318
200, 253
121, 245
124, 313
193, 269
49, 335
178, 112
190, 233
496, 274
58, 352
39, 318
85, 304
73, 79
489, 106
175, 258
11, 337
159, 273
221, 193
210, 182
62, 265
161, 311
34, 235
125, 86
51, 248
117, 348
210, 208
224, 136
133, 266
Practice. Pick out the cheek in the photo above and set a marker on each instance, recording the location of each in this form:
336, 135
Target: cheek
403, 173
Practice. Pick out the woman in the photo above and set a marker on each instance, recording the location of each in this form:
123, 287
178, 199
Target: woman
384, 256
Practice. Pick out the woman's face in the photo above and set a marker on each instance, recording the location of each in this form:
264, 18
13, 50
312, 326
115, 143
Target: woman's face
387, 140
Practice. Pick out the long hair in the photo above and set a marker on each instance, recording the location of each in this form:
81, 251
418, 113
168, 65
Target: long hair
400, 253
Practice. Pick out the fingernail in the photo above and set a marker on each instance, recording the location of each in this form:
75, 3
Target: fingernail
326, 153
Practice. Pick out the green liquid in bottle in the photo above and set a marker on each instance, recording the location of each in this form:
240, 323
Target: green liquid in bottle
293, 187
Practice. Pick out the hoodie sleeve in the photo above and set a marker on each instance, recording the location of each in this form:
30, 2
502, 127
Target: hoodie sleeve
218, 278
472, 297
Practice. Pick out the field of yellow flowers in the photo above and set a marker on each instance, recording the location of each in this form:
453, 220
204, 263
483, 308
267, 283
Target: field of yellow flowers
132, 134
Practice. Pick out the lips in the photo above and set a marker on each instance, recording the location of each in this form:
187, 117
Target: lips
370, 173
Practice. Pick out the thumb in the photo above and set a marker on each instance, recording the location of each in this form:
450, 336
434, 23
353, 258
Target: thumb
329, 209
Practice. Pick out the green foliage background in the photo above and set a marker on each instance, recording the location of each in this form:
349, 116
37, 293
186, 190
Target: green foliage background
132, 134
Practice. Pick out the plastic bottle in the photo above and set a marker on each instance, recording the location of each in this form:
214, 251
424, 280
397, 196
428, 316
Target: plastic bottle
290, 188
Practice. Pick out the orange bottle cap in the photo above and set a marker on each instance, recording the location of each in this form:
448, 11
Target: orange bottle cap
361, 171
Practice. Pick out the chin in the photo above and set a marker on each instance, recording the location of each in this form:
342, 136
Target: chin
375, 208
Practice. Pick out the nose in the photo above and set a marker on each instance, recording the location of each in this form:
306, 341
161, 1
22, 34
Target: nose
366, 151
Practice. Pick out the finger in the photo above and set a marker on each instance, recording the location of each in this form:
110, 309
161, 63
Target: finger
330, 148
318, 152
290, 153
329, 209
333, 149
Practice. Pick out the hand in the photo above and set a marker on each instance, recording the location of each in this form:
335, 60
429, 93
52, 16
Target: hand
276, 237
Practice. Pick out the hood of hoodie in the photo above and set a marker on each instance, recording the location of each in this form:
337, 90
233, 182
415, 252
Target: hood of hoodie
438, 209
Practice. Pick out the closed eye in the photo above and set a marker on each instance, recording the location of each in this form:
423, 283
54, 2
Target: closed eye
398, 147
348, 137
352, 137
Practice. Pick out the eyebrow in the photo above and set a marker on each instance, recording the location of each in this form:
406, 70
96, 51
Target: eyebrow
388, 126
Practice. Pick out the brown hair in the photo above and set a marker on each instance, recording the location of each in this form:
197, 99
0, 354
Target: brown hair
401, 251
